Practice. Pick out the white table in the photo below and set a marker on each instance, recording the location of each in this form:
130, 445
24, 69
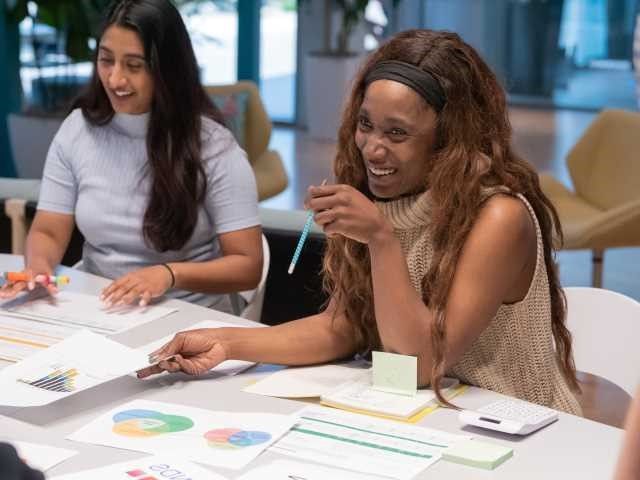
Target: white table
570, 448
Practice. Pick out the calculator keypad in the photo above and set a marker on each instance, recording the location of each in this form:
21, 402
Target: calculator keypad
518, 410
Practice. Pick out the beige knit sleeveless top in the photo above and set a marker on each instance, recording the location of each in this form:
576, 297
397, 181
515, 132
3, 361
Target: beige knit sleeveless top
515, 354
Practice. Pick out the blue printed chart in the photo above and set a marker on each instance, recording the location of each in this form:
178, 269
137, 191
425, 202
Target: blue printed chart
222, 439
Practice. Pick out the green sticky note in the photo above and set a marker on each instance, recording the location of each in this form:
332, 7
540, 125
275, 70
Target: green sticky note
477, 454
395, 373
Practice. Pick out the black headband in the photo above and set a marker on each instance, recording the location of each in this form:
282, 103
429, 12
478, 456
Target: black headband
422, 82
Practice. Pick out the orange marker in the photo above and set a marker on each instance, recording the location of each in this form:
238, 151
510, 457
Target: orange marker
15, 277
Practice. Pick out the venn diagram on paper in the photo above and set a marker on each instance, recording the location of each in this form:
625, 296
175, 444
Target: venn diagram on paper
149, 423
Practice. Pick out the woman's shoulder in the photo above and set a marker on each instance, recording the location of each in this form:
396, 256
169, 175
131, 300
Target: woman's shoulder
218, 142
214, 131
72, 127
505, 210
75, 120
75, 123
505, 221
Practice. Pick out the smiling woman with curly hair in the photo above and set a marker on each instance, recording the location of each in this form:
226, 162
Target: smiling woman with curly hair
440, 241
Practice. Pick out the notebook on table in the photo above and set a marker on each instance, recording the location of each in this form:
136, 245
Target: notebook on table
360, 396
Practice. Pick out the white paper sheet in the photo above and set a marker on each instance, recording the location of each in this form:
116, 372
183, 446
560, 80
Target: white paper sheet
86, 311
224, 439
230, 367
288, 470
303, 382
364, 444
22, 337
147, 468
81, 361
41, 457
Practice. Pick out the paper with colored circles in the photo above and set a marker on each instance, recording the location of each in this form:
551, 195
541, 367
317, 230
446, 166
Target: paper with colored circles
223, 439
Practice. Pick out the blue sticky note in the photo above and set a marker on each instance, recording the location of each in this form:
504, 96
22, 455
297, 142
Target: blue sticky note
395, 373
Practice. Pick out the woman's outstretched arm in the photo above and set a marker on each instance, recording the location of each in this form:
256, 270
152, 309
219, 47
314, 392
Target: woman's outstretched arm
307, 341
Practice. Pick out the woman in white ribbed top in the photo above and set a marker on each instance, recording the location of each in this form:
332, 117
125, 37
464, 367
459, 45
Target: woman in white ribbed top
165, 198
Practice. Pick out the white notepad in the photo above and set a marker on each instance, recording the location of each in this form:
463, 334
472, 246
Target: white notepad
360, 395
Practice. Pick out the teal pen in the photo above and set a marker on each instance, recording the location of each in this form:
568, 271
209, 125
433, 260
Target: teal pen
303, 238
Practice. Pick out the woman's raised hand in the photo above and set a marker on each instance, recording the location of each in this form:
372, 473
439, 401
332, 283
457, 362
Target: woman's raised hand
343, 210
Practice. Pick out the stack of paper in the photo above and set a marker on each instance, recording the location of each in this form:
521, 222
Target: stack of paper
361, 396
364, 444
33, 322
22, 337
83, 311
350, 386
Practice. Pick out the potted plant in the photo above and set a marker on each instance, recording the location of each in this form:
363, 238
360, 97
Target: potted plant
332, 69
59, 34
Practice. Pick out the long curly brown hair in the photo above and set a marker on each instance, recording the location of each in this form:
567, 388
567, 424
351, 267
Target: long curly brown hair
473, 125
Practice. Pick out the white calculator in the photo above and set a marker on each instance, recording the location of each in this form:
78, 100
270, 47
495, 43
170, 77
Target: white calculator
510, 416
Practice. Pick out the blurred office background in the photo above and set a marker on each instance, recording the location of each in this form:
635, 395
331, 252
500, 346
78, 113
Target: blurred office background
561, 62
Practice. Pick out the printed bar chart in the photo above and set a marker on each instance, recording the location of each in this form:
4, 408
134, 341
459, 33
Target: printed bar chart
59, 380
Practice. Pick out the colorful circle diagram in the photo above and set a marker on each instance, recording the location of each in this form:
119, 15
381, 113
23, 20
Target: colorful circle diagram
235, 438
148, 423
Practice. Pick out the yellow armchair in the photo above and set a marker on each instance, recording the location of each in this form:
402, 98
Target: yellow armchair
271, 177
604, 210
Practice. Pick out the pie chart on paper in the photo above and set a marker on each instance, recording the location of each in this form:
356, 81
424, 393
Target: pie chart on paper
148, 423
232, 438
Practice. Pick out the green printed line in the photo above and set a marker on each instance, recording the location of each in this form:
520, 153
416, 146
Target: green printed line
376, 433
363, 444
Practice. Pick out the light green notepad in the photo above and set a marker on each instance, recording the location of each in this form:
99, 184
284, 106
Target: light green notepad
478, 454
395, 373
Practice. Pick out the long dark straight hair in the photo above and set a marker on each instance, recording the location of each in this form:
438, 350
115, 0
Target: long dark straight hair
178, 179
